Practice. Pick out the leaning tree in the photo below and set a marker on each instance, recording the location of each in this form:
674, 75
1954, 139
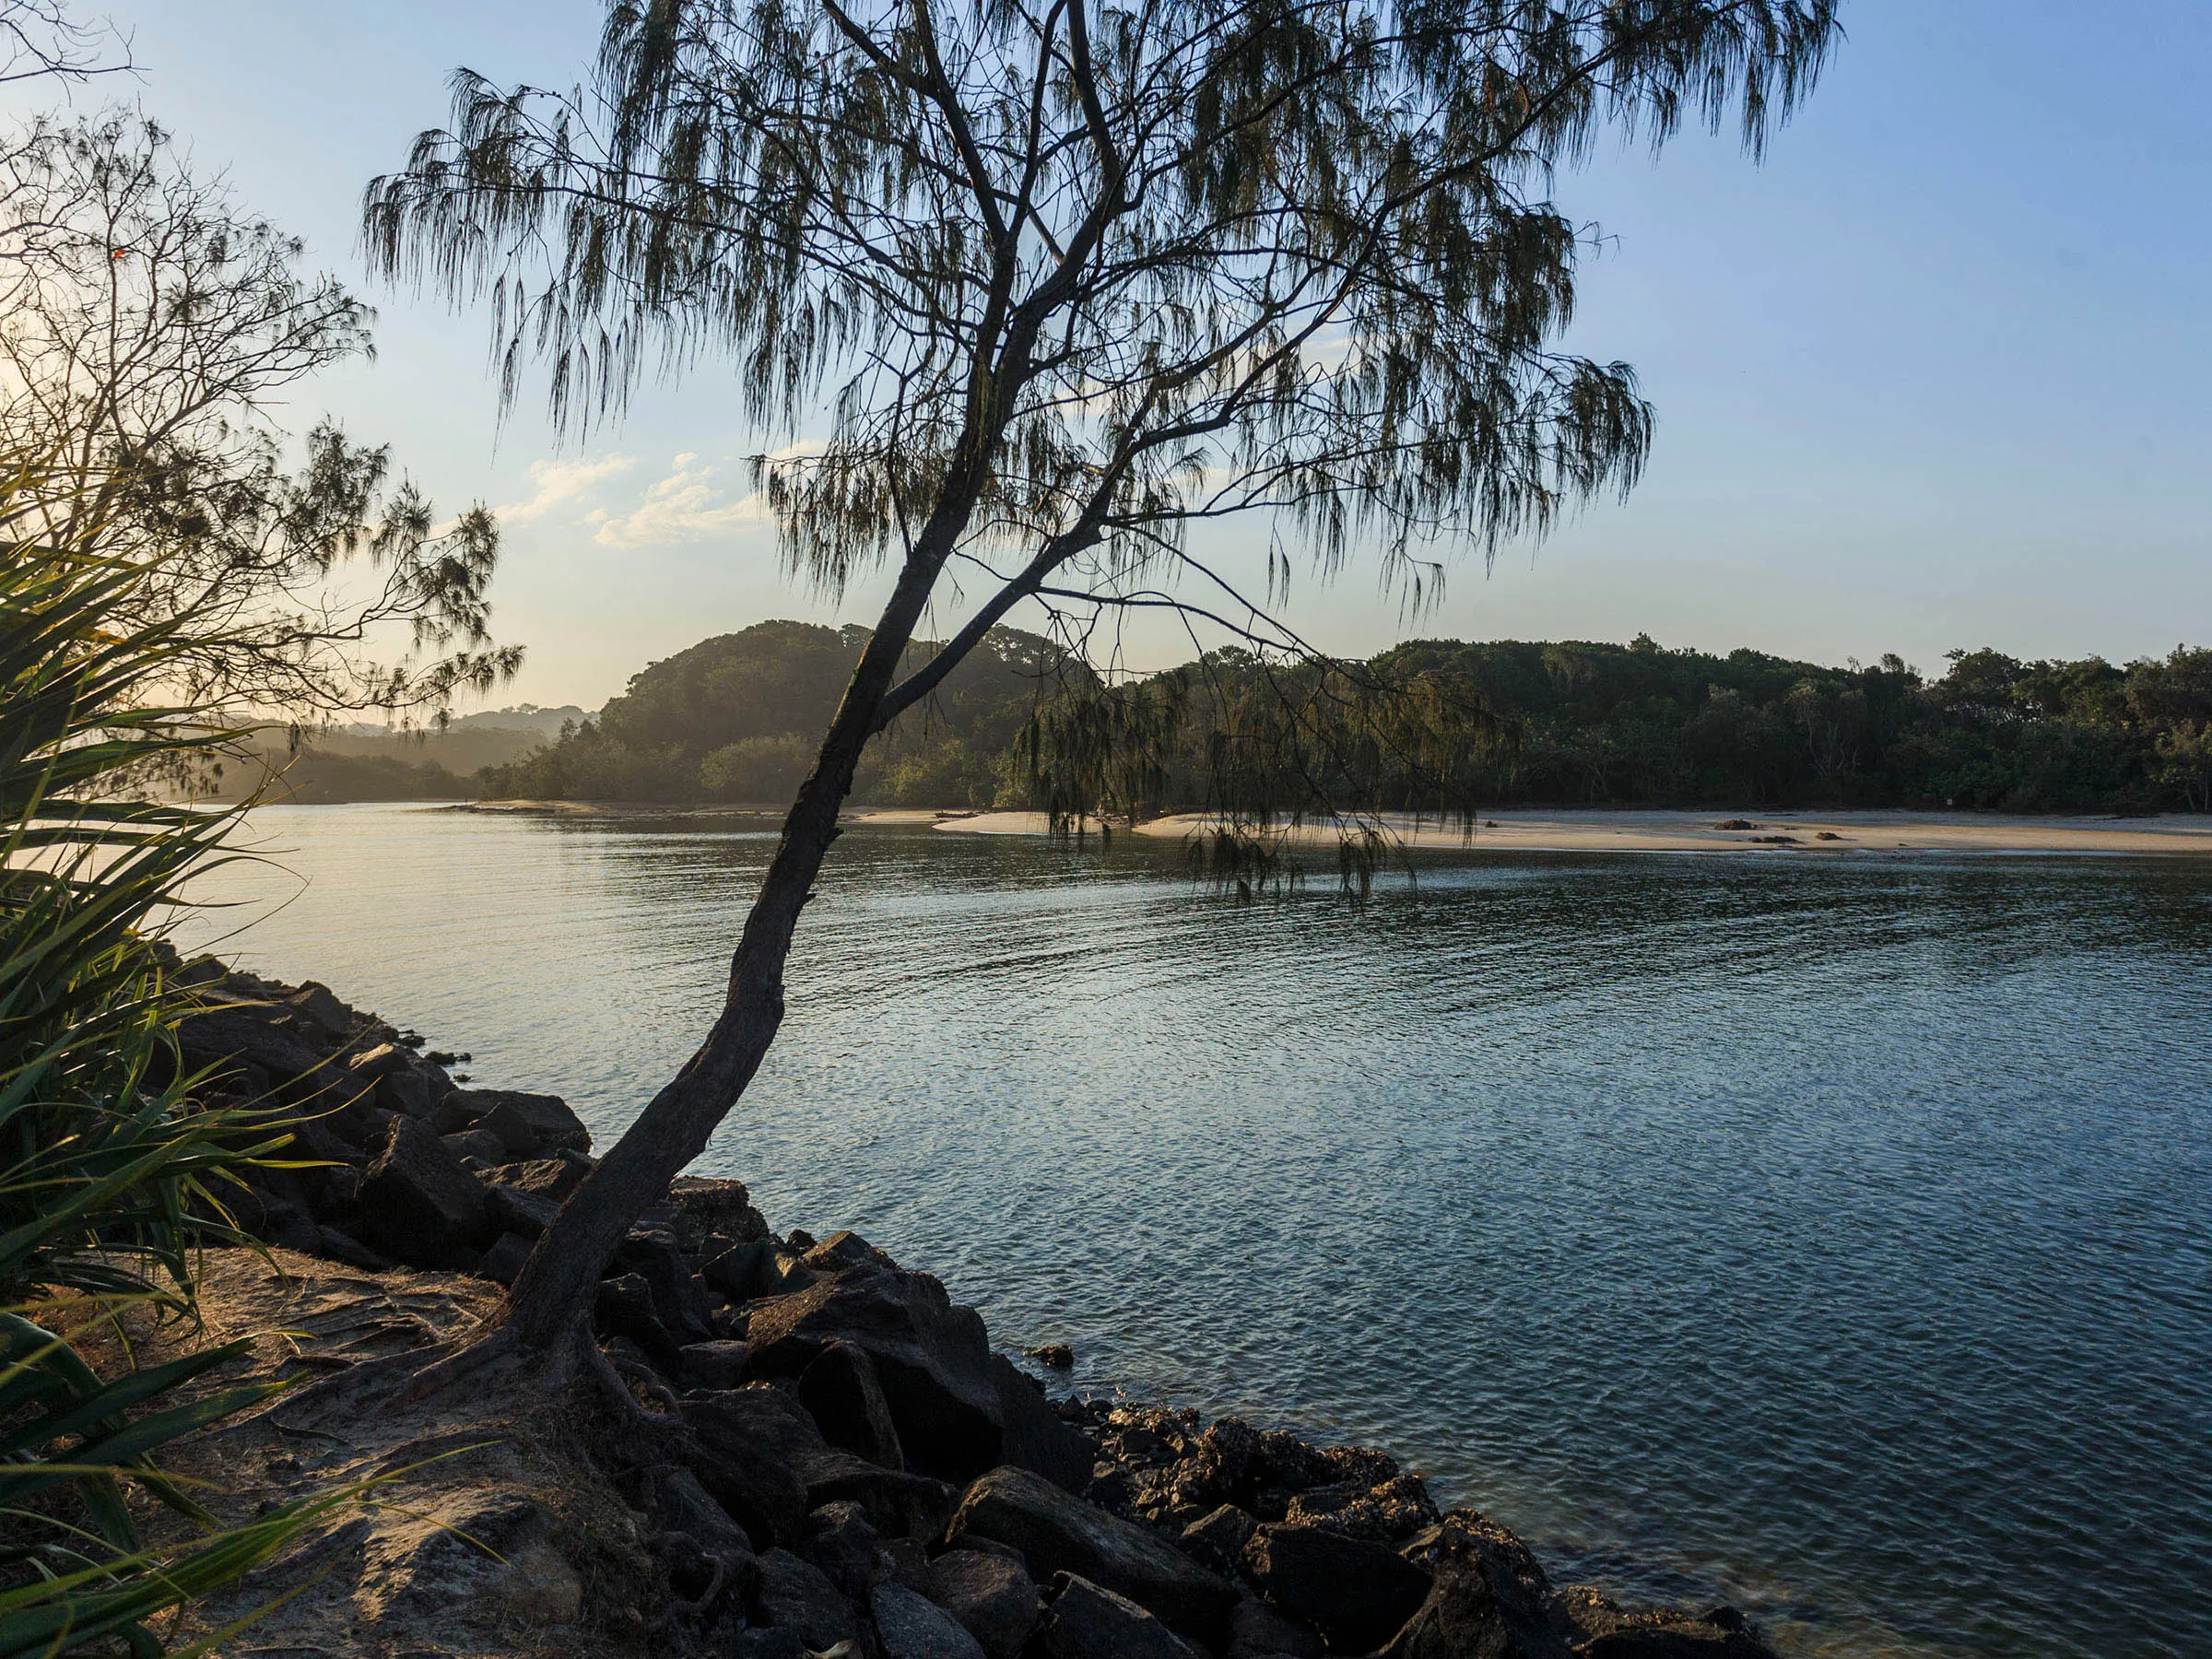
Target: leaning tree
1021, 297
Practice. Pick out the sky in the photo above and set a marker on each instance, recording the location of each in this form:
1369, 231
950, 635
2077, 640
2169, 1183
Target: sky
1938, 374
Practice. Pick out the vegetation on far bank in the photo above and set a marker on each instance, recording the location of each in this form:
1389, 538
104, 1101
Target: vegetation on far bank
1579, 724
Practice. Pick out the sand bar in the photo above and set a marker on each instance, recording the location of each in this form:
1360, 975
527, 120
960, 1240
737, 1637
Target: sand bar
1551, 830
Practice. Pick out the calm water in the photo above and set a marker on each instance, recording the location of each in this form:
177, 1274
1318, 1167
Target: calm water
1831, 1235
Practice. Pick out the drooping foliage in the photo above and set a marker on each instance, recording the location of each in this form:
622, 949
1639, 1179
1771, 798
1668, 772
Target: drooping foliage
1063, 286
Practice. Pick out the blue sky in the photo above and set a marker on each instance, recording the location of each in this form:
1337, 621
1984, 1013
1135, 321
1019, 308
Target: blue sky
1939, 373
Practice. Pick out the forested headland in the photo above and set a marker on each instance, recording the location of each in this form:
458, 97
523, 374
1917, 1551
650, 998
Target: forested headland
734, 718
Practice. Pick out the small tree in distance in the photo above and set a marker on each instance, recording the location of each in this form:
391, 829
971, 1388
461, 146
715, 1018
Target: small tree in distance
1076, 280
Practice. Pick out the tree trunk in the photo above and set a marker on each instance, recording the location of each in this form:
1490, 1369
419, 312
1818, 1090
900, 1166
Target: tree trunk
561, 1276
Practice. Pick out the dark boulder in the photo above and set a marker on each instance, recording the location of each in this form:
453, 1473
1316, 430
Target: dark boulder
699, 1205
337, 1246
991, 1595
843, 1249
910, 1626
757, 1642
1057, 1533
230, 1034
518, 1210
1031, 1435
677, 1296
550, 1178
537, 1125
1218, 1536
1089, 1622
931, 1357
914, 1505
486, 1148
418, 1204
624, 1306
1257, 1629
681, 1504
319, 1009
1394, 1510
1357, 1592
718, 1364
414, 1093
845, 1548
797, 1595
738, 1270
1488, 1599
842, 1393
503, 1261
755, 1442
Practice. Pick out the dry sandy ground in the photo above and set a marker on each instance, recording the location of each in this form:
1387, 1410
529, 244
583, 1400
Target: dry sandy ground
1554, 831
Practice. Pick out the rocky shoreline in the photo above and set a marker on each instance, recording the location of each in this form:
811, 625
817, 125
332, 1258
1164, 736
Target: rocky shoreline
815, 1451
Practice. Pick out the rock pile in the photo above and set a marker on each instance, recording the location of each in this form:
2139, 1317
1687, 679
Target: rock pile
842, 1464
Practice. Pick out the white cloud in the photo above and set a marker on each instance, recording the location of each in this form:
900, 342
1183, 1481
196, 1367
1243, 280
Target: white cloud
562, 481
684, 506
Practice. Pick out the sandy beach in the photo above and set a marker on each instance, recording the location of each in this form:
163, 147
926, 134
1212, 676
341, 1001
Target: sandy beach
1551, 830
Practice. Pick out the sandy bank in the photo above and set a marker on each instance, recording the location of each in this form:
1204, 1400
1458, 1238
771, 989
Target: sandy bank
1889, 832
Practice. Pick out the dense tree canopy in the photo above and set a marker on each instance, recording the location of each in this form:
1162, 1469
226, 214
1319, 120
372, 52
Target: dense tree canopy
1576, 723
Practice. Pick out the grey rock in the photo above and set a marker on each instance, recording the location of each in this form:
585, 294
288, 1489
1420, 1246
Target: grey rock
1089, 1621
1359, 1592
1390, 1512
379, 1062
1057, 1533
418, 1204
797, 1595
912, 1627
991, 1594
410, 1093
906, 1562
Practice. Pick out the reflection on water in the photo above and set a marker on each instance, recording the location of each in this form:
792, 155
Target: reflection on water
1830, 1235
